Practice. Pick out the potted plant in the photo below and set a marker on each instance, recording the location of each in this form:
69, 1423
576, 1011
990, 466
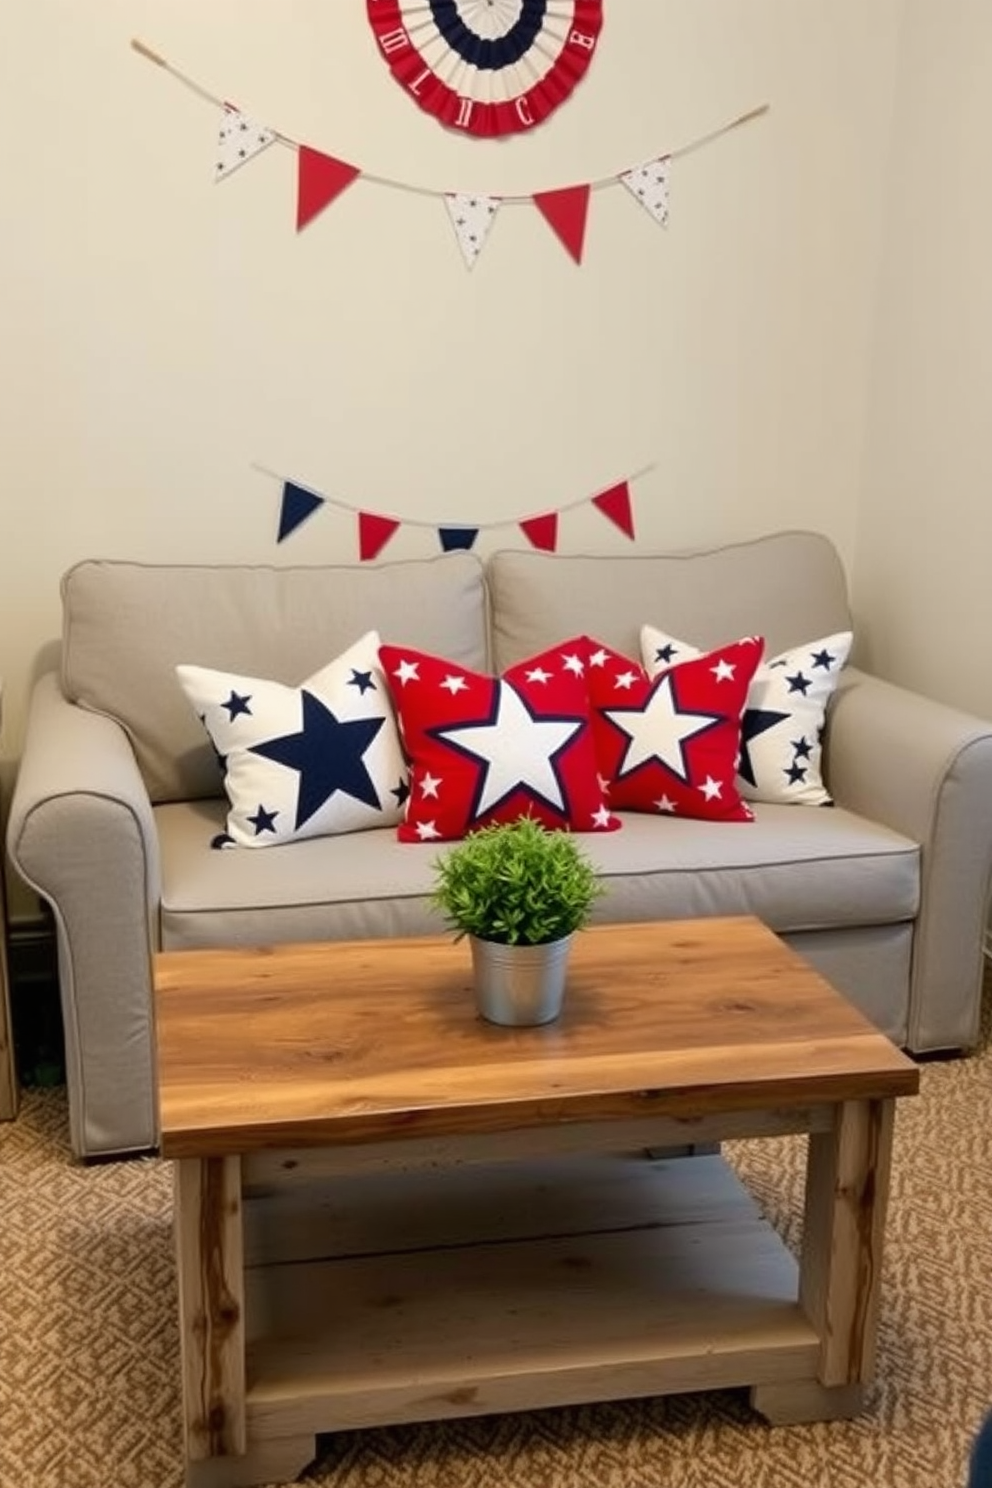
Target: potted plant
519, 892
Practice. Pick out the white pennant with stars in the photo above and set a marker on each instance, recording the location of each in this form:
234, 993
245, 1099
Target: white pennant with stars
471, 216
238, 141
649, 184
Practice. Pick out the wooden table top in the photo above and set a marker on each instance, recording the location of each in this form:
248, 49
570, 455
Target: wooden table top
311, 1045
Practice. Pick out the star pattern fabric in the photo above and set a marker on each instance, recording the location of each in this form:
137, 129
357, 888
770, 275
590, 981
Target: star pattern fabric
239, 139
782, 726
669, 744
496, 748
471, 217
307, 761
649, 184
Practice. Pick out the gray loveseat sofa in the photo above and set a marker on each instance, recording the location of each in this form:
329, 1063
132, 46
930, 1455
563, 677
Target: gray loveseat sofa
117, 795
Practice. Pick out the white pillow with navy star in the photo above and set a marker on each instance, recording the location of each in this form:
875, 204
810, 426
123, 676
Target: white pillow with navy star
307, 761
782, 723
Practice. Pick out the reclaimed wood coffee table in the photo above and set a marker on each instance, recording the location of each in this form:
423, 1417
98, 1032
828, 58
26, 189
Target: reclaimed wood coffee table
388, 1210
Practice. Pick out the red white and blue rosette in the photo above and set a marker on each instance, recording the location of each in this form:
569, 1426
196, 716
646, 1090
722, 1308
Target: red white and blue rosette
487, 67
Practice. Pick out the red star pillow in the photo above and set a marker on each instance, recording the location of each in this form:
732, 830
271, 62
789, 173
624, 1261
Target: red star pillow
488, 749
670, 744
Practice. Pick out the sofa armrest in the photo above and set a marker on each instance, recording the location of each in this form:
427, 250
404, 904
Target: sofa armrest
925, 770
81, 833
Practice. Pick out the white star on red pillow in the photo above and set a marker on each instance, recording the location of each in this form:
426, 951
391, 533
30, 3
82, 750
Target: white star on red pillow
496, 748
784, 716
669, 745
517, 750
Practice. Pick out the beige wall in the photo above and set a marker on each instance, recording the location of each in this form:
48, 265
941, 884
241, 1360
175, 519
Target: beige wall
162, 333
923, 569
809, 343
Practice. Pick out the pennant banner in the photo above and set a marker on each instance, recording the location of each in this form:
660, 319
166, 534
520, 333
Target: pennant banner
565, 211
239, 139
375, 529
471, 217
297, 504
321, 178
453, 538
649, 184
542, 532
615, 504
373, 534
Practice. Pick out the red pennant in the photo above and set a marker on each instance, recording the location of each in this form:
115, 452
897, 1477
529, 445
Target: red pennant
320, 178
615, 504
542, 532
373, 534
565, 211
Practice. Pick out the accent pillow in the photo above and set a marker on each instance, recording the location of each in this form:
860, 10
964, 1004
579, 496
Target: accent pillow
669, 744
307, 761
781, 754
488, 749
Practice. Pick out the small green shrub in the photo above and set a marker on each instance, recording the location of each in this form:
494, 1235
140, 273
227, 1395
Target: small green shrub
516, 883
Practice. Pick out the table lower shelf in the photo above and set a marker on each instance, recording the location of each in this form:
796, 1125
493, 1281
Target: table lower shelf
394, 1298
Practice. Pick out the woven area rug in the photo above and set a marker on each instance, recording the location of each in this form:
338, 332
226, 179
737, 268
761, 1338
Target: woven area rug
89, 1345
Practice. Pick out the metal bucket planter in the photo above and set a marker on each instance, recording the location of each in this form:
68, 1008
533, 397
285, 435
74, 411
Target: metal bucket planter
519, 985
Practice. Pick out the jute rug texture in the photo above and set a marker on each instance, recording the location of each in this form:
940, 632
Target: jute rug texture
89, 1345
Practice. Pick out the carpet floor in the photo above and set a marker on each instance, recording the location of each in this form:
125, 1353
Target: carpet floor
89, 1344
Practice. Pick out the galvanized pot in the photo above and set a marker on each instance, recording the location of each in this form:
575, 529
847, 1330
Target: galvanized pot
519, 985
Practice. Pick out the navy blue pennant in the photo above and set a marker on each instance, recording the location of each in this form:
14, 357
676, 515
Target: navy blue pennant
297, 505
457, 537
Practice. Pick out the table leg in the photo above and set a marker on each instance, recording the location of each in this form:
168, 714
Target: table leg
278, 1460
8, 1073
8, 1069
211, 1306
847, 1182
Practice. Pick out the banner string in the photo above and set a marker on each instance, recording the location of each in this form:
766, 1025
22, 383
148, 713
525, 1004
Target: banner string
151, 55
458, 522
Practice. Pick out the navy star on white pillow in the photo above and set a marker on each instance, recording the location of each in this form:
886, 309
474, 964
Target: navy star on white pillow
263, 821
328, 753
307, 761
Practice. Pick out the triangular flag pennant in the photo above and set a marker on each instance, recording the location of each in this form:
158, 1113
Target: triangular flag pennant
320, 178
471, 217
649, 183
374, 532
238, 140
297, 505
565, 211
457, 537
615, 504
542, 532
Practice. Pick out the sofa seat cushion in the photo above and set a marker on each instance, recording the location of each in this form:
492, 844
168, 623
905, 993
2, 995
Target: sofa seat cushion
366, 884
796, 870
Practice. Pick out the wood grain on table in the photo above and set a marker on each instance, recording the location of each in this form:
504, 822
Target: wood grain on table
312, 1044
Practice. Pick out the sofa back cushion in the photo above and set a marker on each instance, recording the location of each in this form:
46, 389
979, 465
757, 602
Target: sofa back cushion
126, 626
788, 587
